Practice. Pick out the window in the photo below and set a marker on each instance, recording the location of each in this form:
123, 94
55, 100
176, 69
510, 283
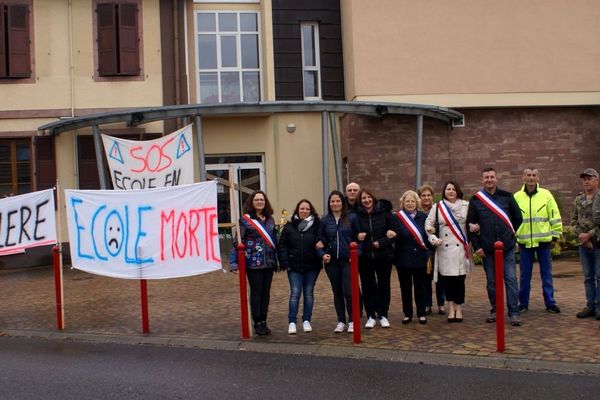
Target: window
227, 57
15, 167
118, 38
15, 51
311, 61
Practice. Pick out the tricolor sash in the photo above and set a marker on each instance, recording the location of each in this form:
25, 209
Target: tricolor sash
409, 223
260, 229
452, 223
489, 202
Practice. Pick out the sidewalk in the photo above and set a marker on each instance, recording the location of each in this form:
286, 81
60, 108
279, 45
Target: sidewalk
205, 308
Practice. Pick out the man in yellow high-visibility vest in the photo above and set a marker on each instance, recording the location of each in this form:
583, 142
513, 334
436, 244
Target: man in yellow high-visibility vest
541, 228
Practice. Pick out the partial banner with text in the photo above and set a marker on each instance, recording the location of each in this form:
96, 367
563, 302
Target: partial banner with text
167, 161
145, 234
27, 220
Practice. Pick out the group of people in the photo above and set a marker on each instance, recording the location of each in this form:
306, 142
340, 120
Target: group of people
426, 241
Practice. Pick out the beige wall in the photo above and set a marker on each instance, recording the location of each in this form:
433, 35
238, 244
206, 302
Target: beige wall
293, 161
54, 49
473, 53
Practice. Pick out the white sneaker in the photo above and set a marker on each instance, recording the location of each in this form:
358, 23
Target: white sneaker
383, 321
292, 328
350, 327
370, 323
340, 327
306, 326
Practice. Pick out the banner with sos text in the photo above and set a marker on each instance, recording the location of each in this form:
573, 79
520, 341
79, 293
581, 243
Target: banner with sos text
145, 234
27, 220
167, 161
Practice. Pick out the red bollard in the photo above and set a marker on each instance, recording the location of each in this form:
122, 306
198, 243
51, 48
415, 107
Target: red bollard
241, 258
58, 286
499, 270
144, 300
355, 291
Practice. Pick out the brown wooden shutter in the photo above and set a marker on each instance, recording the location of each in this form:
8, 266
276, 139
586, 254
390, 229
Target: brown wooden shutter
19, 60
45, 162
3, 58
128, 40
86, 163
107, 39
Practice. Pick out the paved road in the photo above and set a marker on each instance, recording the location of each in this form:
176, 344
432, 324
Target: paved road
42, 369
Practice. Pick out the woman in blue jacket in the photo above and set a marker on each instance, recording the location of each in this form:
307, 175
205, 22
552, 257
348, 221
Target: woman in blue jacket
336, 231
257, 233
297, 254
410, 256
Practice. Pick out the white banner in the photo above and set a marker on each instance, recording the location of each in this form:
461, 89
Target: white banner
145, 234
167, 161
27, 220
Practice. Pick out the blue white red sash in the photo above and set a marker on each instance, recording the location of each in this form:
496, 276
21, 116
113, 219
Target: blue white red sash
409, 223
489, 202
260, 229
452, 223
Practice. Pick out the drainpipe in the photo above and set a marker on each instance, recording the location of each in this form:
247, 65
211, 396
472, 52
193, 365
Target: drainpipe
336, 153
176, 50
71, 60
419, 150
325, 148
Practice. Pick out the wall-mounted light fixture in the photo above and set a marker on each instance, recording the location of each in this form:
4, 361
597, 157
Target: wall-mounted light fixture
291, 128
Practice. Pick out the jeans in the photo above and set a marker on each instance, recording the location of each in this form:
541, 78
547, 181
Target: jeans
260, 292
338, 272
375, 279
510, 280
590, 264
526, 264
302, 283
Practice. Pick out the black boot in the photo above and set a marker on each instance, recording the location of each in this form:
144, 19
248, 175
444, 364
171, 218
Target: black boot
267, 330
260, 328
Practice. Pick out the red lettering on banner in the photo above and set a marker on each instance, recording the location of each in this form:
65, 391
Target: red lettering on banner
179, 231
177, 238
213, 235
151, 162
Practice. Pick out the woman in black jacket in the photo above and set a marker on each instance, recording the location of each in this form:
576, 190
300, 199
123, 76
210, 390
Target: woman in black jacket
410, 256
298, 255
378, 228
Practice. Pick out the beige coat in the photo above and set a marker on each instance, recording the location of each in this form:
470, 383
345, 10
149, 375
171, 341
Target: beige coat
450, 259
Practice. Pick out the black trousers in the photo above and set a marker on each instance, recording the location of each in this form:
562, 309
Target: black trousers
375, 281
455, 288
338, 272
260, 292
412, 278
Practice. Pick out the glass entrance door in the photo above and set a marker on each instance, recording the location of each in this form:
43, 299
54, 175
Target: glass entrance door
249, 175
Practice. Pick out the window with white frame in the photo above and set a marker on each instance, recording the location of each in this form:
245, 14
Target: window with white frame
227, 59
311, 61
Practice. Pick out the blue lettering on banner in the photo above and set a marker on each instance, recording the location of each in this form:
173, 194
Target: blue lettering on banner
109, 233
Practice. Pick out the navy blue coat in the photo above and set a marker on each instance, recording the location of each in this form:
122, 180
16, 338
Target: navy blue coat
408, 253
491, 227
337, 236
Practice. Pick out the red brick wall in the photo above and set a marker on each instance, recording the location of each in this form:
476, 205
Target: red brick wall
559, 141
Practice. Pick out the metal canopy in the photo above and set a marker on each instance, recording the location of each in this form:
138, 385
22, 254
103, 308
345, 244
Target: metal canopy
134, 117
